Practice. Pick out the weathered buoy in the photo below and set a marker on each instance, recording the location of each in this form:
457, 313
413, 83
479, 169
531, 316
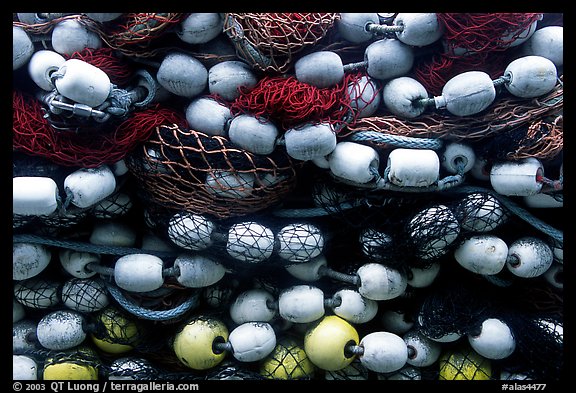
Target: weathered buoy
198, 271
457, 158
480, 212
320, 69
61, 330
380, 282
252, 341
22, 47
34, 196
29, 260
383, 352
200, 27
117, 332
529, 257
85, 295
288, 361
422, 352
299, 242
253, 305
310, 141
69, 36
139, 272
42, 65
482, 254
413, 167
530, 76
354, 307
205, 114
24, 368
466, 94
182, 74
252, 134
87, 186
226, 78
230, 184
250, 242
354, 162
424, 276
352, 26
301, 304
190, 231
113, 233
388, 58
194, 344
76, 263
308, 271
517, 178
547, 42
402, 97
364, 96
418, 28
494, 340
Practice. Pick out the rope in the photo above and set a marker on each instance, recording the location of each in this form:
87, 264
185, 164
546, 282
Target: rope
154, 315
88, 247
396, 140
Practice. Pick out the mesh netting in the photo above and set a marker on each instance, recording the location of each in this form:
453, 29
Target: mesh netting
537, 123
269, 41
190, 171
84, 295
37, 292
483, 37
288, 361
33, 134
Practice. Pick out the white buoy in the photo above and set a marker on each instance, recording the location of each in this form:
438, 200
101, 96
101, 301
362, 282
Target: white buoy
190, 231
198, 271
364, 96
129, 369
424, 276
230, 184
422, 352
69, 36
401, 96
517, 178
494, 341
310, 141
433, 242
252, 341
529, 257
61, 330
253, 305
531, 76
515, 38
467, 93
226, 78
22, 47
22, 333
205, 114
139, 272
29, 260
354, 307
419, 29
256, 135
458, 158
320, 69
354, 162
413, 167
42, 65
383, 352
547, 42
113, 233
352, 26
301, 304
482, 254
119, 168
200, 27
481, 212
88, 186
388, 58
250, 242
299, 242
34, 196
76, 262
481, 169
182, 74
379, 282
85, 295
375, 243
308, 271
24, 368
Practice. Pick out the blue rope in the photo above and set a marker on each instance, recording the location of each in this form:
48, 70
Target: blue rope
396, 140
153, 315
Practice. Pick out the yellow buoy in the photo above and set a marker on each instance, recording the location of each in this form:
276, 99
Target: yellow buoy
79, 364
326, 341
115, 333
194, 344
287, 361
464, 364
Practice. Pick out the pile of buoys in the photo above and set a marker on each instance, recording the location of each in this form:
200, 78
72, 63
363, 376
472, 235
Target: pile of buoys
288, 196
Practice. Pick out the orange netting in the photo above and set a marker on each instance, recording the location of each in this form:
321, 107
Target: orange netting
269, 41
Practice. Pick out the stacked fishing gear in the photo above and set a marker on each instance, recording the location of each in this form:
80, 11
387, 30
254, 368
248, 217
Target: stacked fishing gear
288, 196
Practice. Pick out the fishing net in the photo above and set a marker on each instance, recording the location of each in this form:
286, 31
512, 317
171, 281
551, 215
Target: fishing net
270, 41
187, 170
